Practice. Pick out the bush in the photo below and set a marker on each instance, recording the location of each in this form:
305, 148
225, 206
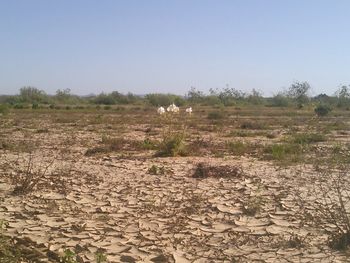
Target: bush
172, 145
35, 106
322, 110
3, 109
215, 115
279, 100
18, 106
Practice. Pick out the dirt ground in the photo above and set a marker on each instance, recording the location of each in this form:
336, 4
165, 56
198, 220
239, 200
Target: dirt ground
122, 201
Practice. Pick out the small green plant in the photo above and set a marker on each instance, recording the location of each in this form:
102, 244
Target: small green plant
69, 257
149, 144
157, 170
100, 257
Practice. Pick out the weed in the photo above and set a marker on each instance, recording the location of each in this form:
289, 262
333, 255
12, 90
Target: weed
203, 170
240, 148
148, 144
307, 138
68, 257
100, 257
28, 174
156, 170
253, 205
289, 152
331, 211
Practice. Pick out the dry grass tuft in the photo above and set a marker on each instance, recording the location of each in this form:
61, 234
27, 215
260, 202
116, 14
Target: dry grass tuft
204, 170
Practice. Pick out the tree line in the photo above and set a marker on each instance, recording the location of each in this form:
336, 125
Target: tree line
297, 95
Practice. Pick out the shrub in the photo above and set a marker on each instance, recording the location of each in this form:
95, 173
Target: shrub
35, 106
3, 109
18, 106
330, 212
279, 100
216, 115
173, 144
107, 107
322, 110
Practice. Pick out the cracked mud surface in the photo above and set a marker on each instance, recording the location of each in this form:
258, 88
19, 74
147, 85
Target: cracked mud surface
114, 204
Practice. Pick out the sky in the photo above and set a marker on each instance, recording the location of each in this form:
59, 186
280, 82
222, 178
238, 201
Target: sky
149, 46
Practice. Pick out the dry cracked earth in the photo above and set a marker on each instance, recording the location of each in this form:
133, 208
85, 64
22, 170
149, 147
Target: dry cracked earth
111, 203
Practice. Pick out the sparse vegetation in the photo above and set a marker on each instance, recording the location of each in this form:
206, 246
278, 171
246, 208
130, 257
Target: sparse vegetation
233, 151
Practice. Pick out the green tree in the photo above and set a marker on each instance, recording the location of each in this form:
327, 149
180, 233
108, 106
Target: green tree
298, 91
255, 97
343, 96
32, 95
194, 95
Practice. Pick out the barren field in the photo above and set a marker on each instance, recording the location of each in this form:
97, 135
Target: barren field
125, 184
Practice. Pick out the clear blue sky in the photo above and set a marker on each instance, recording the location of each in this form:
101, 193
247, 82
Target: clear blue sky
147, 46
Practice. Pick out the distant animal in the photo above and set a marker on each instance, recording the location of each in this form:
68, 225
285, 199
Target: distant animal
189, 110
161, 110
173, 108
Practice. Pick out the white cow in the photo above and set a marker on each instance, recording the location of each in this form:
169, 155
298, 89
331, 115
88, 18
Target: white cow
189, 110
161, 110
173, 108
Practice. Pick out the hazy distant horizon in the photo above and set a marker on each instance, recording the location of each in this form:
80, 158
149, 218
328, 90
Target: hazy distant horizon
170, 46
